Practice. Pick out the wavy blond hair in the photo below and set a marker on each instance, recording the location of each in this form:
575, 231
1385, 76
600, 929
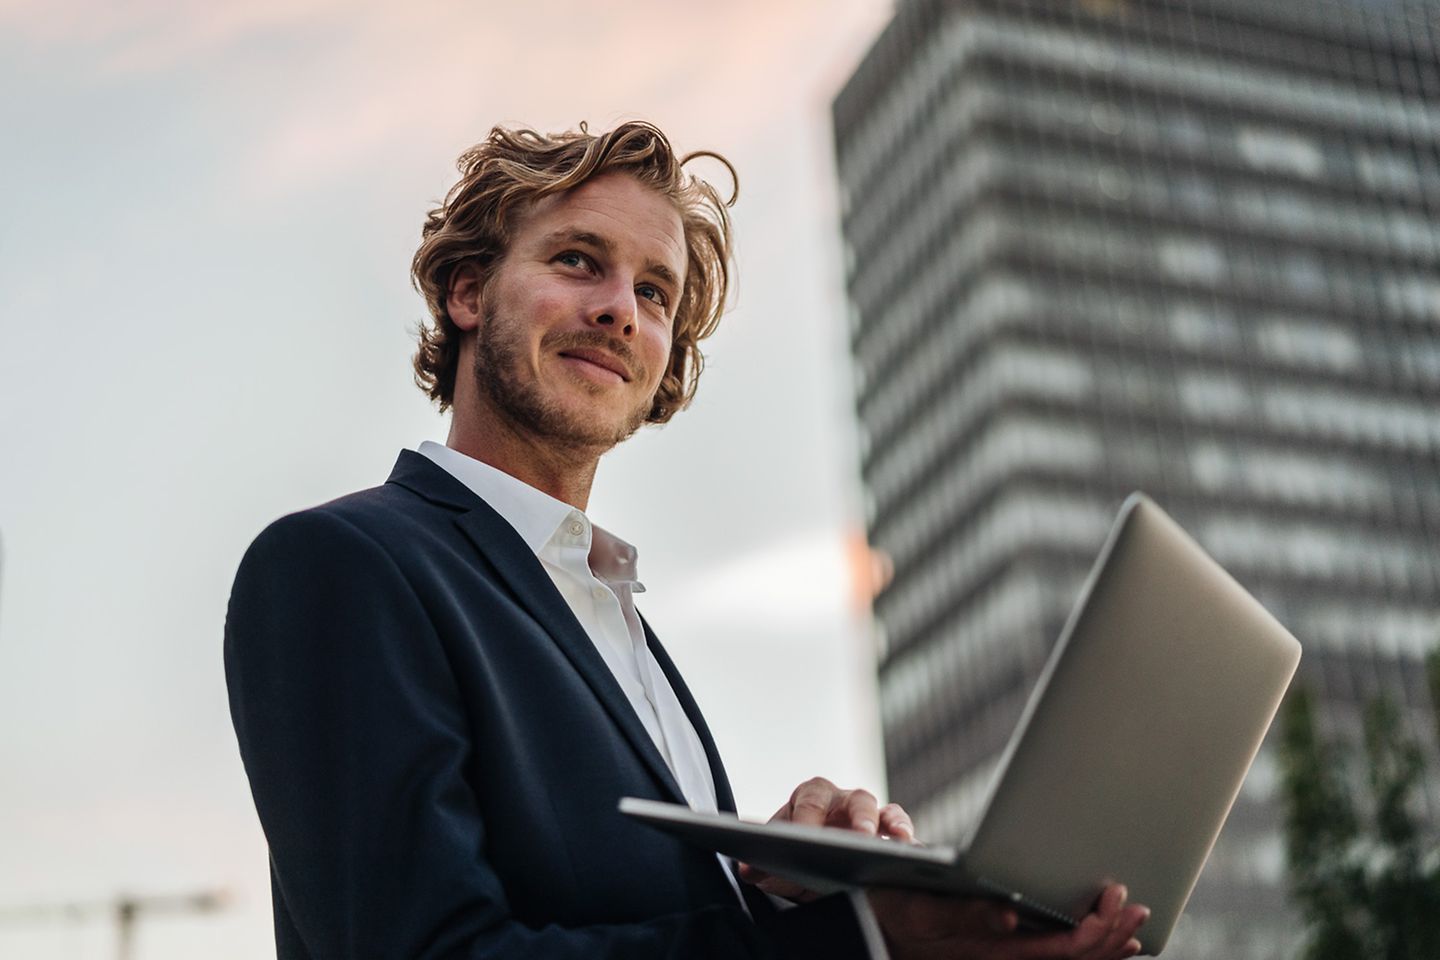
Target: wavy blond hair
505, 174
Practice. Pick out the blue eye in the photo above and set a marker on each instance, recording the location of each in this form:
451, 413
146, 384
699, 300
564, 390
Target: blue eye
651, 292
573, 258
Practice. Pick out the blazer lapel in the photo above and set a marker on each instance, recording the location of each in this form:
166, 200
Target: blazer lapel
526, 578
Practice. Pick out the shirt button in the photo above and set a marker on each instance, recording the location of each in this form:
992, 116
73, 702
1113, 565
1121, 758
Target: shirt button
576, 528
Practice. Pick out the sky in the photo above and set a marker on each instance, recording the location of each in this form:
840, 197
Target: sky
207, 214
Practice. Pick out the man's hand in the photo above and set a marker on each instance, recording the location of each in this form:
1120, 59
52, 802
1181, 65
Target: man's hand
922, 926
819, 803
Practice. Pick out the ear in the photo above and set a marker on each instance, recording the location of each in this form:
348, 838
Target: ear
462, 299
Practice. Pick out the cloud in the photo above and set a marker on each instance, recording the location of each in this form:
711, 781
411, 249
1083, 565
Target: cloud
363, 84
151, 36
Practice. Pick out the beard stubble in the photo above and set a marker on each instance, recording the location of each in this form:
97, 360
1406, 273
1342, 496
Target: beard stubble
521, 401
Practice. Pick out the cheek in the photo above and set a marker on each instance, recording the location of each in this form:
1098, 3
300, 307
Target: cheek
526, 304
655, 347
544, 303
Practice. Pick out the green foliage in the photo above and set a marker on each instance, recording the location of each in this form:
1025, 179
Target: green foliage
1365, 874
1432, 677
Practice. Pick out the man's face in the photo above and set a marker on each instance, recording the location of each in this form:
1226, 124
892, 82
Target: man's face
576, 319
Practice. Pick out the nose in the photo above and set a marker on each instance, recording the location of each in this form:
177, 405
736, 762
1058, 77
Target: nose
613, 308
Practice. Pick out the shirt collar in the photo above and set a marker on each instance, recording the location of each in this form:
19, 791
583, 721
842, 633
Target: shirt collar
535, 515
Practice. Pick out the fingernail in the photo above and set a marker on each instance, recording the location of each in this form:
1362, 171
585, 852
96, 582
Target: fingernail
867, 826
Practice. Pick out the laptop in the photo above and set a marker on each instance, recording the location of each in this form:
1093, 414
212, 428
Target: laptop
1123, 767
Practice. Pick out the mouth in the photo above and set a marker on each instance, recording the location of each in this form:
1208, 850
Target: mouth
597, 362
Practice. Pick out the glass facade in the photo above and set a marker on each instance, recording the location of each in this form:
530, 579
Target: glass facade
1185, 247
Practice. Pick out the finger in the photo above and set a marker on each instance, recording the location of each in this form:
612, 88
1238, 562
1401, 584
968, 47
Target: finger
1002, 920
1085, 942
856, 810
896, 823
810, 803
1112, 926
1123, 924
1132, 918
788, 889
1112, 899
772, 884
1097, 930
980, 918
1090, 938
1090, 935
751, 874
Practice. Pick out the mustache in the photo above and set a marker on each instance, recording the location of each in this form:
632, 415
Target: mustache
593, 339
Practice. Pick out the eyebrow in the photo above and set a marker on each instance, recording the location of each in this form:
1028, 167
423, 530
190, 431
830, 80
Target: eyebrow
604, 245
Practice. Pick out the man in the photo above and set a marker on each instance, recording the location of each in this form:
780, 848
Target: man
442, 687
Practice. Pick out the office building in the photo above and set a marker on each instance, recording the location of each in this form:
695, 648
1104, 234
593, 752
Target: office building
1185, 247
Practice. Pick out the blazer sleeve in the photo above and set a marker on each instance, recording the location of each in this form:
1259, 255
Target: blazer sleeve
354, 739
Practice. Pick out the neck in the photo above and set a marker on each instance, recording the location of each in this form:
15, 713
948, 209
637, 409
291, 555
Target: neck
565, 472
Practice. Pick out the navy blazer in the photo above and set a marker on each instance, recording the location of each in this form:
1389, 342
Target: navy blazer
436, 751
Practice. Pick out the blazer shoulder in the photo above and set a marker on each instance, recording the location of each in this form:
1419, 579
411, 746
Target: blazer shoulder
374, 512
377, 522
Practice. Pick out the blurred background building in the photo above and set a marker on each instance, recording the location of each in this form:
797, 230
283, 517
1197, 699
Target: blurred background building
1187, 247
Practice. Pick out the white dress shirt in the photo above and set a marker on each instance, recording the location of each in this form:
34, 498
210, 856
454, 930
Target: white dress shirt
595, 571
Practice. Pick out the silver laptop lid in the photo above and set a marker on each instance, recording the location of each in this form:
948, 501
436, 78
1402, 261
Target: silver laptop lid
1165, 646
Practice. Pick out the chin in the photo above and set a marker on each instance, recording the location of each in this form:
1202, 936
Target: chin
574, 421
561, 411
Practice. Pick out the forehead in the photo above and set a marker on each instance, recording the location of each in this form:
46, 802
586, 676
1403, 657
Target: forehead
635, 219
